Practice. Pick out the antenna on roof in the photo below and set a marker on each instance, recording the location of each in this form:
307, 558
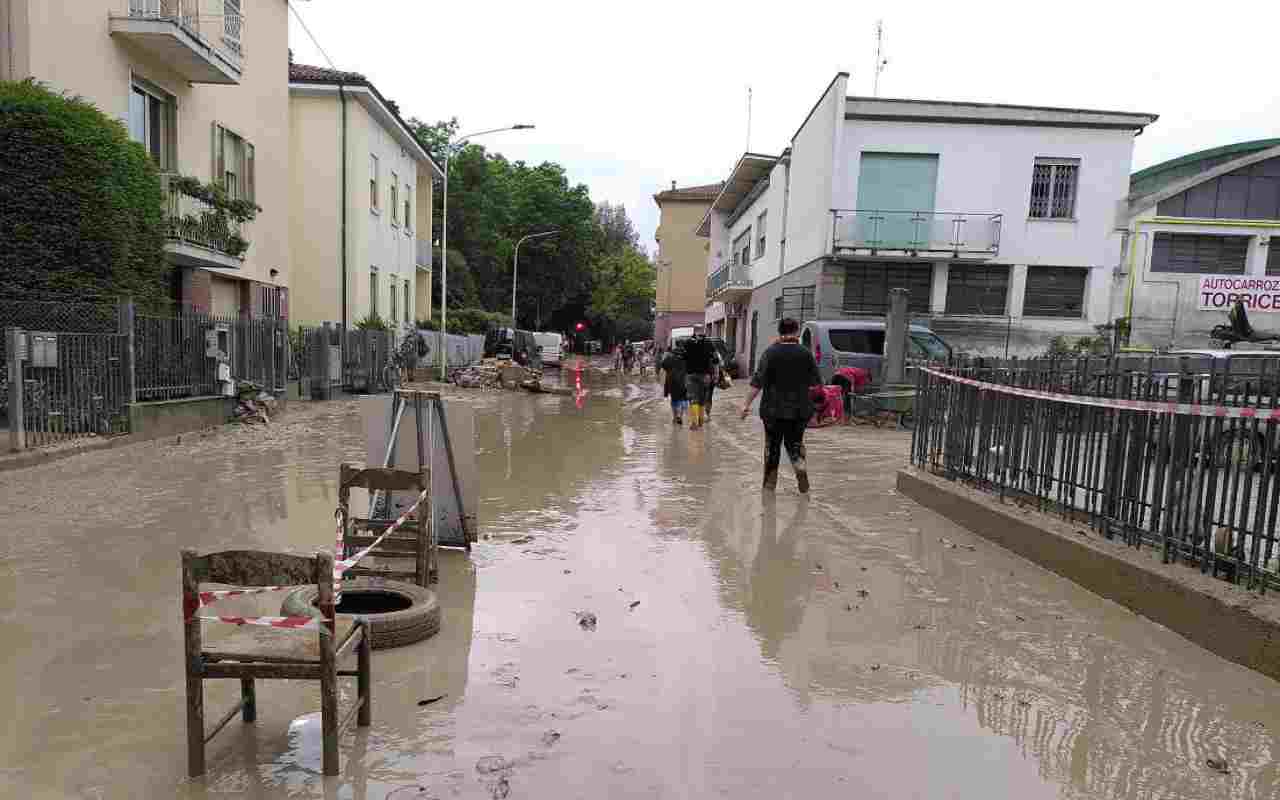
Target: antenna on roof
881, 61
748, 119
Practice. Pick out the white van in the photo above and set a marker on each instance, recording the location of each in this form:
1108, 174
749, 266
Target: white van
549, 345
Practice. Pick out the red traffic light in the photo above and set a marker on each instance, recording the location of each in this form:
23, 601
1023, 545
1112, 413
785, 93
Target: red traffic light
580, 327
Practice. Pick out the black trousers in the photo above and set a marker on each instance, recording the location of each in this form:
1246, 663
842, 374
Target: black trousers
779, 432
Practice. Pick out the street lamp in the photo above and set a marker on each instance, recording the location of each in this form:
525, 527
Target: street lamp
444, 239
515, 264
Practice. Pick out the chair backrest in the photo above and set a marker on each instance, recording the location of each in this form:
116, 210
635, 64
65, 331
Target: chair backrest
256, 568
380, 478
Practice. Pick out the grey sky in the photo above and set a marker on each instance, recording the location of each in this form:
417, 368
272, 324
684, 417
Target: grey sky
629, 97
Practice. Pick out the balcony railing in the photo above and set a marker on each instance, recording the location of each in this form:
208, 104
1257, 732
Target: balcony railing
728, 278
202, 40
958, 234
192, 222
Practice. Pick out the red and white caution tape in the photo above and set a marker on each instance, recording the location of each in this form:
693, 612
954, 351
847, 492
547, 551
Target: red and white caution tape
1152, 406
340, 566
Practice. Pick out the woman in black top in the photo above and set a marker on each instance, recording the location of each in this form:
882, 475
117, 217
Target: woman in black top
785, 373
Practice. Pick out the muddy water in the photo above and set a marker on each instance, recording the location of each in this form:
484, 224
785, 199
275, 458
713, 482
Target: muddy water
735, 652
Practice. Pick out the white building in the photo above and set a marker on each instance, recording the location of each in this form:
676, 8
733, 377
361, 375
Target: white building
1202, 231
1002, 221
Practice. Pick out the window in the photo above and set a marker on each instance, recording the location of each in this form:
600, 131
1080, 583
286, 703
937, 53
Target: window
857, 341
153, 123
233, 163
406, 301
1053, 188
395, 201
1199, 253
760, 233
742, 248
373, 291
1273, 257
1055, 292
867, 285
408, 208
394, 297
977, 289
796, 302
373, 183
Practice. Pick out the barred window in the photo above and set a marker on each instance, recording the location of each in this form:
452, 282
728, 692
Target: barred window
1199, 253
797, 302
867, 285
1273, 258
1053, 188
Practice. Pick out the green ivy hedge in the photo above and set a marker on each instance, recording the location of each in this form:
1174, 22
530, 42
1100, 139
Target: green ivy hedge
81, 209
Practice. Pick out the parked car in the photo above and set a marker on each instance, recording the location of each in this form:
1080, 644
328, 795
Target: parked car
860, 343
550, 347
506, 342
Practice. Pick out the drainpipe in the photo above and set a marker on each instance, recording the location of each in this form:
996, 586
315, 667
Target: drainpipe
786, 203
342, 146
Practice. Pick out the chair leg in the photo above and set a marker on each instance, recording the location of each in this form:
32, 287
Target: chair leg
364, 678
329, 719
195, 725
250, 697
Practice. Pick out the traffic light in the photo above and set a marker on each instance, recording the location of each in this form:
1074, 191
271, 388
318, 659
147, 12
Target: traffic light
580, 327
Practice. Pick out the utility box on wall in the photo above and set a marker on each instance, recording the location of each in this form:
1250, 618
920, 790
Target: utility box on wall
42, 348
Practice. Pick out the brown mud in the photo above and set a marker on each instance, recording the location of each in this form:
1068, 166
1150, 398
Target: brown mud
850, 642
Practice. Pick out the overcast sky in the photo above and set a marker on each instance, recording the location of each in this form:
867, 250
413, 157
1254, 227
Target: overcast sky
629, 97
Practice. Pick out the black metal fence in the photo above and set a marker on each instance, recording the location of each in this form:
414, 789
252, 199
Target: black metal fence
181, 356
79, 386
1178, 453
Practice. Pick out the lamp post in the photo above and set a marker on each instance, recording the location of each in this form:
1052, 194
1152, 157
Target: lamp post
444, 239
515, 265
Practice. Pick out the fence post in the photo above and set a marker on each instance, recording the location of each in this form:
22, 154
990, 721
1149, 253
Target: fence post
17, 434
126, 312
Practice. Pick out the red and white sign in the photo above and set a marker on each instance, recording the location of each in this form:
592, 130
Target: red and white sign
1220, 292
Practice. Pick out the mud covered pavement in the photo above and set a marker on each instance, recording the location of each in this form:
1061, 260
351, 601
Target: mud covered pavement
638, 621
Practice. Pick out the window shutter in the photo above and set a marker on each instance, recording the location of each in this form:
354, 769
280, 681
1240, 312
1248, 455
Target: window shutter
250, 194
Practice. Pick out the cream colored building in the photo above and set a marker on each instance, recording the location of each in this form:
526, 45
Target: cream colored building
201, 83
361, 205
682, 257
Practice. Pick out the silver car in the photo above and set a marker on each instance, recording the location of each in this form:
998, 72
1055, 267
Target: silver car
860, 343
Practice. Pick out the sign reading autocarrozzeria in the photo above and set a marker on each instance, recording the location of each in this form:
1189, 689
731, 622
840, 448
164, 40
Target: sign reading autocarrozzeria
1220, 293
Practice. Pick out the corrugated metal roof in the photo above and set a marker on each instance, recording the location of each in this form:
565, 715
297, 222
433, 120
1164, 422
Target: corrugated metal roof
1154, 178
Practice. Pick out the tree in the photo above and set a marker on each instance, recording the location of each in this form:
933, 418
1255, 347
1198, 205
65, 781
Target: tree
81, 208
622, 299
616, 228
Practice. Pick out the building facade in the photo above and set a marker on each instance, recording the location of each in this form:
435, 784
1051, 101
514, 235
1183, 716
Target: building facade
361, 201
681, 258
1001, 221
202, 85
1202, 231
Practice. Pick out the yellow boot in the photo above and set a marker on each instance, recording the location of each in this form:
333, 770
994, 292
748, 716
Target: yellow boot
695, 416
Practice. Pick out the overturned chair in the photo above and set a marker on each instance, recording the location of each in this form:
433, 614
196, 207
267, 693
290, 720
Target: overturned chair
264, 651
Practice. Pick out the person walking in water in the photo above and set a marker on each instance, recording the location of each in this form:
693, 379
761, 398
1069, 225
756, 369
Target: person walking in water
672, 373
699, 360
785, 373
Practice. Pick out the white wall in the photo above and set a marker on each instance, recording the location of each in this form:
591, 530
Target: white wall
813, 152
987, 168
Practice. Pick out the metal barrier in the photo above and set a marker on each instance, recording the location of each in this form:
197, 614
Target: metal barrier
1177, 453
72, 385
179, 356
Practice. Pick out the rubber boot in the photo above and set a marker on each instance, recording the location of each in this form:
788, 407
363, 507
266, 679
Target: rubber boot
802, 476
695, 416
770, 480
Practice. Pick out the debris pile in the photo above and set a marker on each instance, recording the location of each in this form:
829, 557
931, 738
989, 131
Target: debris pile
253, 404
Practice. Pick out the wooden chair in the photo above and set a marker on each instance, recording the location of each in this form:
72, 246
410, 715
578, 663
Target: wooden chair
412, 541
264, 652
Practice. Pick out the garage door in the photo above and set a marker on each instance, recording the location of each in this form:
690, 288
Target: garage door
867, 285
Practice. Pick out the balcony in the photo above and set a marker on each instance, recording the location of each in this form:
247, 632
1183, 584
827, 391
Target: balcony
911, 233
199, 235
199, 39
729, 284
423, 254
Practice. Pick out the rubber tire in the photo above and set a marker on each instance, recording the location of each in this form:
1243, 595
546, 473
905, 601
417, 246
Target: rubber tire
419, 621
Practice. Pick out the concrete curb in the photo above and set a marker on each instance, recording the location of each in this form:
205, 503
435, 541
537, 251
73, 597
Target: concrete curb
1235, 624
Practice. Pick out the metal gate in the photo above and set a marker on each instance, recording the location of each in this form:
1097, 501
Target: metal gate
73, 384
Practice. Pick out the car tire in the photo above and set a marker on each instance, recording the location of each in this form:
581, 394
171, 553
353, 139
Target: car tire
419, 621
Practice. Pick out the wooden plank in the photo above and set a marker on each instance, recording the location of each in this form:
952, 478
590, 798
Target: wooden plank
350, 715
385, 478
222, 723
193, 664
234, 669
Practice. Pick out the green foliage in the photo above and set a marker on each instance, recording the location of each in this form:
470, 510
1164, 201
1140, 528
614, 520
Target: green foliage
372, 322
81, 208
222, 214
1065, 347
468, 320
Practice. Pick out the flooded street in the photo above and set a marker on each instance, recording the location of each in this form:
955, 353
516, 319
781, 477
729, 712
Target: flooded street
850, 642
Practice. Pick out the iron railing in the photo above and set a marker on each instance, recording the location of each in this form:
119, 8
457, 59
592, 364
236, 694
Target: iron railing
1193, 477
217, 23
79, 387
729, 276
179, 356
193, 221
960, 234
